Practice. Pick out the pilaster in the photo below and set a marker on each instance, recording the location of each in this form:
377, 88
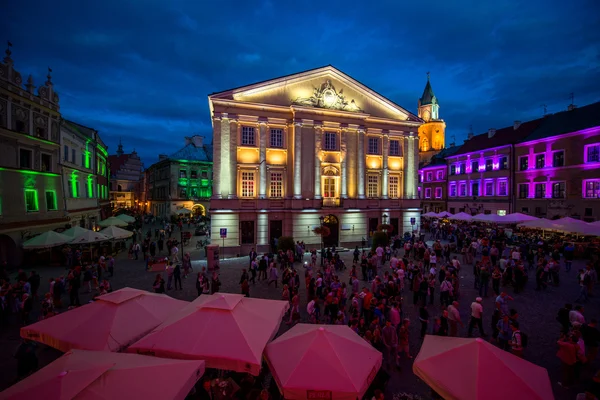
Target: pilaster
344, 164
297, 160
225, 157
235, 130
385, 152
262, 170
318, 146
361, 162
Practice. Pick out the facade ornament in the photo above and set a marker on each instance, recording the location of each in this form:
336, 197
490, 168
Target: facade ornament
49, 76
7, 58
326, 96
29, 86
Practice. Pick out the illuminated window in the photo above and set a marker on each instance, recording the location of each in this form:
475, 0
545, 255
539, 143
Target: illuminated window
373, 147
503, 163
523, 163
523, 190
489, 188
558, 159
462, 190
248, 136
394, 147
474, 166
46, 162
74, 187
461, 169
452, 191
540, 190
592, 153
276, 138
329, 187
489, 164
427, 193
51, 204
429, 176
330, 142
393, 186
424, 144
453, 170
475, 188
193, 174
372, 186
182, 173
558, 190
31, 200
247, 184
276, 187
440, 175
540, 160
592, 189
501, 213
438, 192
66, 153
502, 188
25, 158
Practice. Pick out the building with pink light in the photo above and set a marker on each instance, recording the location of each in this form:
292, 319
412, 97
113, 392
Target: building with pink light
557, 170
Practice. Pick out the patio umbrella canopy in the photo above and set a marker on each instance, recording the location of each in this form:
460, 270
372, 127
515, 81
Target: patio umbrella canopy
322, 362
461, 216
111, 323
75, 231
471, 369
430, 214
542, 223
46, 240
89, 237
112, 221
183, 211
444, 214
116, 233
92, 375
577, 226
127, 218
228, 331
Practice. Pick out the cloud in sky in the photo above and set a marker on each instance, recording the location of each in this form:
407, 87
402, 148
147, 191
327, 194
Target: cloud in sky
141, 71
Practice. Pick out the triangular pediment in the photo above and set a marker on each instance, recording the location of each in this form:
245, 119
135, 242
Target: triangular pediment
325, 87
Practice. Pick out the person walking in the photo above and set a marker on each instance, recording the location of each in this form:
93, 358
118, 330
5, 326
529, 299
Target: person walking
476, 317
273, 275
424, 319
177, 276
454, 318
390, 341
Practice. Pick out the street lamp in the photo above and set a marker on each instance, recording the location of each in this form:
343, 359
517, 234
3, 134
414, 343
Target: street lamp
322, 219
384, 218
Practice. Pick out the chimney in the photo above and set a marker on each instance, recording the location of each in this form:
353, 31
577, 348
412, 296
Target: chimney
571, 107
516, 125
491, 132
162, 157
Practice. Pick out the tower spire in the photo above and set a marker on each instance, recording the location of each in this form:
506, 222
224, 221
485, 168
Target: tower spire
120, 148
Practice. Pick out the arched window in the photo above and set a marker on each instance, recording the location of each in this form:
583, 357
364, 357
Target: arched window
119, 188
424, 144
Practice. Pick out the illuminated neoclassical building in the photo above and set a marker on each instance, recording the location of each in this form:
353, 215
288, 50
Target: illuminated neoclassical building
316, 144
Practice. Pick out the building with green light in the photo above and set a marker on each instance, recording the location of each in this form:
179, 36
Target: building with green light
84, 166
182, 180
31, 193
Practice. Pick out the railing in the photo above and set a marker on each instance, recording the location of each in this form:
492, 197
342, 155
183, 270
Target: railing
331, 202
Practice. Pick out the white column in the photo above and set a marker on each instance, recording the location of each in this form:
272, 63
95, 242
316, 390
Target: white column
297, 160
262, 228
234, 129
318, 138
216, 190
343, 147
415, 175
361, 163
410, 168
262, 171
225, 161
384, 176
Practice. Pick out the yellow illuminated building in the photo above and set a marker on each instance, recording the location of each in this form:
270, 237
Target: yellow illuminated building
316, 145
432, 132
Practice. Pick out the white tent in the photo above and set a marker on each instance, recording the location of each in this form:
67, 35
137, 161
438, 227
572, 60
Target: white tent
184, 211
461, 216
75, 231
112, 221
444, 214
515, 218
46, 240
540, 223
89, 237
430, 214
577, 226
127, 218
116, 233
597, 223
484, 218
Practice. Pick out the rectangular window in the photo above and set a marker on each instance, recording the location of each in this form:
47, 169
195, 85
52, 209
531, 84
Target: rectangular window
427, 193
523, 163
475, 188
540, 190
429, 176
247, 232
31, 200
503, 163
558, 190
276, 138
329, 187
453, 170
73, 154
461, 169
452, 190
83, 160
66, 153
182, 193
373, 146
502, 188
474, 166
46, 162
248, 136
438, 192
489, 164
393, 186
558, 159
372, 186
205, 174
193, 174
247, 184
182, 173
592, 153
25, 158
394, 147
540, 161
462, 190
523, 190
440, 175
592, 189
51, 204
330, 141
489, 188
276, 189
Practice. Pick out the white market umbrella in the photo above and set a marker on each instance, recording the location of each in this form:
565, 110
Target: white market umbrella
75, 231
126, 218
116, 233
597, 223
577, 226
444, 214
430, 214
515, 218
540, 223
112, 221
184, 211
461, 216
46, 240
483, 217
89, 238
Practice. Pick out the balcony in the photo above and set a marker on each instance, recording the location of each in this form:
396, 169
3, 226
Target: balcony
332, 202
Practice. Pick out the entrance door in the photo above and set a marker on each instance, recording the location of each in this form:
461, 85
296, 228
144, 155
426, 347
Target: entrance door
394, 224
275, 230
333, 224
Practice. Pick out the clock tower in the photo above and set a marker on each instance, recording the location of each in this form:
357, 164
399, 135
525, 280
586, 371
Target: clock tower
432, 132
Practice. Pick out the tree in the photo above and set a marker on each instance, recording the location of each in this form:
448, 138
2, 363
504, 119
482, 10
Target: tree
286, 243
380, 239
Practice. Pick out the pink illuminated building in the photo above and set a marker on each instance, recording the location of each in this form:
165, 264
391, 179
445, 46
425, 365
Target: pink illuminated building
557, 170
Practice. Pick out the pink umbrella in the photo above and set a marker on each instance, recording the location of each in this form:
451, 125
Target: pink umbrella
111, 323
322, 362
470, 369
228, 331
91, 375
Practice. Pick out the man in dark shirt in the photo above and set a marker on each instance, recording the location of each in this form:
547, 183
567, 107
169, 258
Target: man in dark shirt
591, 338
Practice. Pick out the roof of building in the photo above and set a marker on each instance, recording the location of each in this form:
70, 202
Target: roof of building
428, 96
566, 122
84, 130
505, 136
440, 158
191, 152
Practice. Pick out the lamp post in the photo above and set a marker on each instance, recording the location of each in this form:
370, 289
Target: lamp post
322, 219
384, 218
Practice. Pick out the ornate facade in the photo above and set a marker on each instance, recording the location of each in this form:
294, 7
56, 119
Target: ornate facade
126, 180
316, 144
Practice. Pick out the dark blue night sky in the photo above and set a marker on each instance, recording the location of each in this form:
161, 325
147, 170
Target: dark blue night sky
142, 70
